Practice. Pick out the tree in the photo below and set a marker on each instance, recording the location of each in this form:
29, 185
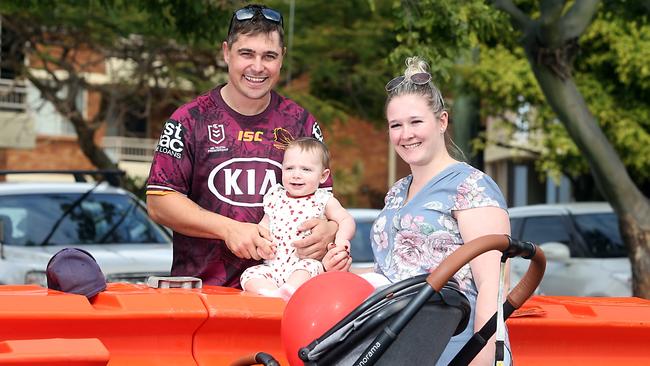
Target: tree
575, 71
166, 48
550, 42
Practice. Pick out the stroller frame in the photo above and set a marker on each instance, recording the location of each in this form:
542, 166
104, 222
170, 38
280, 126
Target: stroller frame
434, 289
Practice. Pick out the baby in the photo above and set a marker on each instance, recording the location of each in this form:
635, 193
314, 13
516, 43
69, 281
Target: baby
304, 167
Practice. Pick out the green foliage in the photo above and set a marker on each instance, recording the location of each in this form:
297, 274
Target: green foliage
348, 183
442, 32
611, 71
326, 111
342, 47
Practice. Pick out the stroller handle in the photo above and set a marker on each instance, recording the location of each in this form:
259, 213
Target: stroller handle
510, 248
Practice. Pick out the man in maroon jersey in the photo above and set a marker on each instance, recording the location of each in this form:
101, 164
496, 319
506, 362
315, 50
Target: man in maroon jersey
220, 153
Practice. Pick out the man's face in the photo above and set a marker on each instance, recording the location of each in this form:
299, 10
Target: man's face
254, 63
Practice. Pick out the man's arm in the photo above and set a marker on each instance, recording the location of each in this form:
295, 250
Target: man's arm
182, 215
314, 246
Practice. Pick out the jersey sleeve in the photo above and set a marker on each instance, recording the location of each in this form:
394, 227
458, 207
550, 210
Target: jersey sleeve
478, 189
171, 168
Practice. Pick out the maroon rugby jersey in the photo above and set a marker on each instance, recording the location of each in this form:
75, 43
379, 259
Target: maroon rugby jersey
225, 162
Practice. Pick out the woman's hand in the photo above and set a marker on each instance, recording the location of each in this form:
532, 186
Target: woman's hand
337, 258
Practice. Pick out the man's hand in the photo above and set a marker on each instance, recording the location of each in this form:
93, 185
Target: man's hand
337, 258
244, 241
266, 252
314, 246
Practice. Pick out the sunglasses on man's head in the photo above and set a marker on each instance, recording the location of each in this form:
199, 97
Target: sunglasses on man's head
248, 12
419, 78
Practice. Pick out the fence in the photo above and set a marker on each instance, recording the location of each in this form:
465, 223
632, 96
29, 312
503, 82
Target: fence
129, 148
13, 95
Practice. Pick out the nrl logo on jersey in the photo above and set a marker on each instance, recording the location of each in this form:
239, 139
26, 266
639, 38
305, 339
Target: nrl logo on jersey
216, 134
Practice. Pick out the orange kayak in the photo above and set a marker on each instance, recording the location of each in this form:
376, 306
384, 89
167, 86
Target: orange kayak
137, 325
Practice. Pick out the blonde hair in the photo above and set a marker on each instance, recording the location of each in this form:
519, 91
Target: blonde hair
311, 144
429, 91
431, 94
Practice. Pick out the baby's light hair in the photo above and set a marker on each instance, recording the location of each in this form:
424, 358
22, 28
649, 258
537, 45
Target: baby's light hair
306, 143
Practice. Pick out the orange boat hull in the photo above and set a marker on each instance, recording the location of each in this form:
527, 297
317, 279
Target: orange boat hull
136, 325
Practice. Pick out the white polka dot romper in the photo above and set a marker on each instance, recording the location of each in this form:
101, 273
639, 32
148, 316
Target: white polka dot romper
285, 215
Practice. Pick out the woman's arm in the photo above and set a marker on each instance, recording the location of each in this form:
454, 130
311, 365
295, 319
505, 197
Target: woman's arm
474, 223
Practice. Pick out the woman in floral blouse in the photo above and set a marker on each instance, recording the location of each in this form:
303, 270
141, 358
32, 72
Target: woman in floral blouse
441, 205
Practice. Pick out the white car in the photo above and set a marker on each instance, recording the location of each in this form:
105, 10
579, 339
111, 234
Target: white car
39, 219
584, 250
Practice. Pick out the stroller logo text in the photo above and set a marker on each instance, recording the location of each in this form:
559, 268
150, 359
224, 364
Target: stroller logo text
368, 355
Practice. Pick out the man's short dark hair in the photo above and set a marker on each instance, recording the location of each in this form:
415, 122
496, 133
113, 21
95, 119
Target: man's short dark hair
256, 25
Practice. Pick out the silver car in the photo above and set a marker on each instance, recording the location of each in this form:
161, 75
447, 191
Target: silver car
39, 219
584, 250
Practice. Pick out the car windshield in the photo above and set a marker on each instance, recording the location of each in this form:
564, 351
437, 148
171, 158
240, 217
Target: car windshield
601, 234
100, 218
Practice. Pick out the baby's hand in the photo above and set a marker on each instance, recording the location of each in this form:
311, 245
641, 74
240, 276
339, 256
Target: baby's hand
342, 243
266, 251
337, 257
264, 232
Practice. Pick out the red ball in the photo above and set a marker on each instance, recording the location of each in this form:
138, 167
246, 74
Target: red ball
318, 305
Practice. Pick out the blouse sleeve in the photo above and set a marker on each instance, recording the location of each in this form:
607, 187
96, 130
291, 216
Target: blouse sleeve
478, 190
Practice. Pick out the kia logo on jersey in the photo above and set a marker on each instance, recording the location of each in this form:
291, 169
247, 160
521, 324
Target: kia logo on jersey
243, 181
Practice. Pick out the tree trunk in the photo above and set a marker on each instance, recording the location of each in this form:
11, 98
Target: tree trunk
638, 241
86, 140
608, 170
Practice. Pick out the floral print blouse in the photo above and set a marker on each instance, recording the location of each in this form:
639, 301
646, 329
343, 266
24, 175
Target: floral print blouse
412, 238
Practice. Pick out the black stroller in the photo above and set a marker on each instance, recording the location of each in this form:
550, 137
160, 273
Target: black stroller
394, 326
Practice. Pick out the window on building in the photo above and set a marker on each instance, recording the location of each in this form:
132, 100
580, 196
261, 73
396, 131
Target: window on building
8, 41
48, 120
12, 91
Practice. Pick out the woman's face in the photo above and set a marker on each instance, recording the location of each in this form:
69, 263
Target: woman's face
415, 132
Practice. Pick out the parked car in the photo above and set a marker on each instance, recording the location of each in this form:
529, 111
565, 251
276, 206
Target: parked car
584, 250
40, 218
361, 251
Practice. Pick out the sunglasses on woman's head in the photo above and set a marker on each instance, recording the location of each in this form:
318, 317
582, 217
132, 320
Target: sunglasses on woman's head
248, 12
419, 78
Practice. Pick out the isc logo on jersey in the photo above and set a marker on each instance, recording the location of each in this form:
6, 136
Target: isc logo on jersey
243, 181
171, 139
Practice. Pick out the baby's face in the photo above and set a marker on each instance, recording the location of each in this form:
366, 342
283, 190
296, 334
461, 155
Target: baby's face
302, 171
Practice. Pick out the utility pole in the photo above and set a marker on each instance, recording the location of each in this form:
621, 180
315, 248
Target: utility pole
292, 7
